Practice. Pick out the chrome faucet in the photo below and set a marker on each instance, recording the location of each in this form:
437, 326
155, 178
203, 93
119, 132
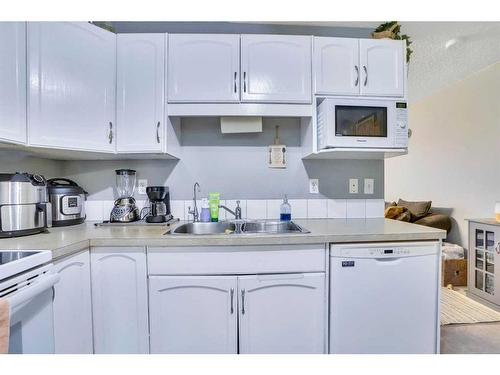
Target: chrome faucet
194, 211
236, 212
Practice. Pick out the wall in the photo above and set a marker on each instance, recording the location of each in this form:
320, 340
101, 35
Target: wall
234, 165
454, 157
237, 28
16, 161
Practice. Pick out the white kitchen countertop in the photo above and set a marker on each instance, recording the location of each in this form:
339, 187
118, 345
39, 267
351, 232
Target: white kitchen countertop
68, 240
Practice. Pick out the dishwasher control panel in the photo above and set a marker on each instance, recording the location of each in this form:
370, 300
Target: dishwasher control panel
381, 251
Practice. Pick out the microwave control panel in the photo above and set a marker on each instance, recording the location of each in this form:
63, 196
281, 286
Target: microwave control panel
401, 133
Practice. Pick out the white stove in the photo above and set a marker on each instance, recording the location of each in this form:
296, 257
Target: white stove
27, 279
13, 262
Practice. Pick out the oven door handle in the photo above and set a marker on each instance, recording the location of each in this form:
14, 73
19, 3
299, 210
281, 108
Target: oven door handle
31, 291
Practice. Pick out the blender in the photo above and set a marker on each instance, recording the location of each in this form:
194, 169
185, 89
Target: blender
125, 209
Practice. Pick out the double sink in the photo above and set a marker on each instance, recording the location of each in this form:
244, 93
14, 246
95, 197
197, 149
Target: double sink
239, 227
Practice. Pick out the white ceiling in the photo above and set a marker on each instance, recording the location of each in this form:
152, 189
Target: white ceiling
432, 66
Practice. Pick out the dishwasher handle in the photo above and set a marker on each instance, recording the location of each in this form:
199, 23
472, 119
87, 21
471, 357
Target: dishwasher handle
31, 291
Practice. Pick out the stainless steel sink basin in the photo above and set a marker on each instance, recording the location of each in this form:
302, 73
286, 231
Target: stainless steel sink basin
205, 228
240, 227
272, 226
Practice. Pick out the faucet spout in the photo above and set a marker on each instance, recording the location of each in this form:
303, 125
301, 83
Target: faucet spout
236, 212
194, 211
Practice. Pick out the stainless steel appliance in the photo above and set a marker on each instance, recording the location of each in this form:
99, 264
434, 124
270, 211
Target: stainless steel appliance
159, 198
125, 209
68, 202
362, 123
24, 204
27, 279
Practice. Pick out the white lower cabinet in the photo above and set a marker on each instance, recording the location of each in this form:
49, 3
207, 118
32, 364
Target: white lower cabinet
72, 306
119, 300
193, 314
282, 314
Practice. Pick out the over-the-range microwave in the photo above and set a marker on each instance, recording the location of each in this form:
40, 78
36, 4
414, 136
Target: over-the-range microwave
362, 123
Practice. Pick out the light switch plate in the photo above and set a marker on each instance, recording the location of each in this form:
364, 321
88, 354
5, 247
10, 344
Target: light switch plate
314, 186
369, 182
141, 186
353, 186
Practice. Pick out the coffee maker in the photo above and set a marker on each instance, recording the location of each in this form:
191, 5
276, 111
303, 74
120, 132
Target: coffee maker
159, 199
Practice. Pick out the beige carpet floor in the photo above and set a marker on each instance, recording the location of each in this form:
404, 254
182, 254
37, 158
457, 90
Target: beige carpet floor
457, 308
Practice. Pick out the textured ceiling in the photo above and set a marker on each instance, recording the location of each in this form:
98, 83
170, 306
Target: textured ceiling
433, 66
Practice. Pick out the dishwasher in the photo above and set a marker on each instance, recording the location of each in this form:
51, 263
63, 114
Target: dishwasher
384, 298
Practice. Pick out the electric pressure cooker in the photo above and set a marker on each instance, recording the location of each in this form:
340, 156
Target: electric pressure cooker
68, 202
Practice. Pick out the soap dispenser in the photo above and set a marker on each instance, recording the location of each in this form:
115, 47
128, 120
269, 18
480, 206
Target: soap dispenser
285, 210
205, 211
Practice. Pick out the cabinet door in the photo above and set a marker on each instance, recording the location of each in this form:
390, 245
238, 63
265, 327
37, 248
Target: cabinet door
140, 87
119, 300
484, 256
276, 68
73, 306
336, 66
193, 314
71, 67
203, 68
13, 82
382, 67
282, 313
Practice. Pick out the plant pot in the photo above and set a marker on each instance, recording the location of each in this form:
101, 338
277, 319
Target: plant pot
387, 34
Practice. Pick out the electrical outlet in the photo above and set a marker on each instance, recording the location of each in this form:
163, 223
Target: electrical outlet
369, 182
314, 186
353, 186
141, 186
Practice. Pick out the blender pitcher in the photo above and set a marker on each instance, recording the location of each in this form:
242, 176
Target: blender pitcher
125, 210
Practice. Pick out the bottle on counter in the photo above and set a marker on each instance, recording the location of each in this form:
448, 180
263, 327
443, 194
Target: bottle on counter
205, 211
285, 210
213, 203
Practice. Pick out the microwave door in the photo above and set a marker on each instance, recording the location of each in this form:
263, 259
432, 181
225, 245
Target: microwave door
361, 126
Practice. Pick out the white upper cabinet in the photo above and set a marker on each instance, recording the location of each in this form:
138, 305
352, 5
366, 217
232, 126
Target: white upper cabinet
140, 92
13, 82
203, 68
336, 66
72, 69
193, 314
282, 314
73, 306
276, 68
382, 67
120, 300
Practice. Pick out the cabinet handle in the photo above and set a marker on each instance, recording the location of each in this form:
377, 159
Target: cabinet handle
497, 247
158, 132
357, 75
232, 300
244, 81
110, 135
235, 75
243, 302
366, 75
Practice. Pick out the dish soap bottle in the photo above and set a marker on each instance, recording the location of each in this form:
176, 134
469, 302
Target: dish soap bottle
205, 211
285, 210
